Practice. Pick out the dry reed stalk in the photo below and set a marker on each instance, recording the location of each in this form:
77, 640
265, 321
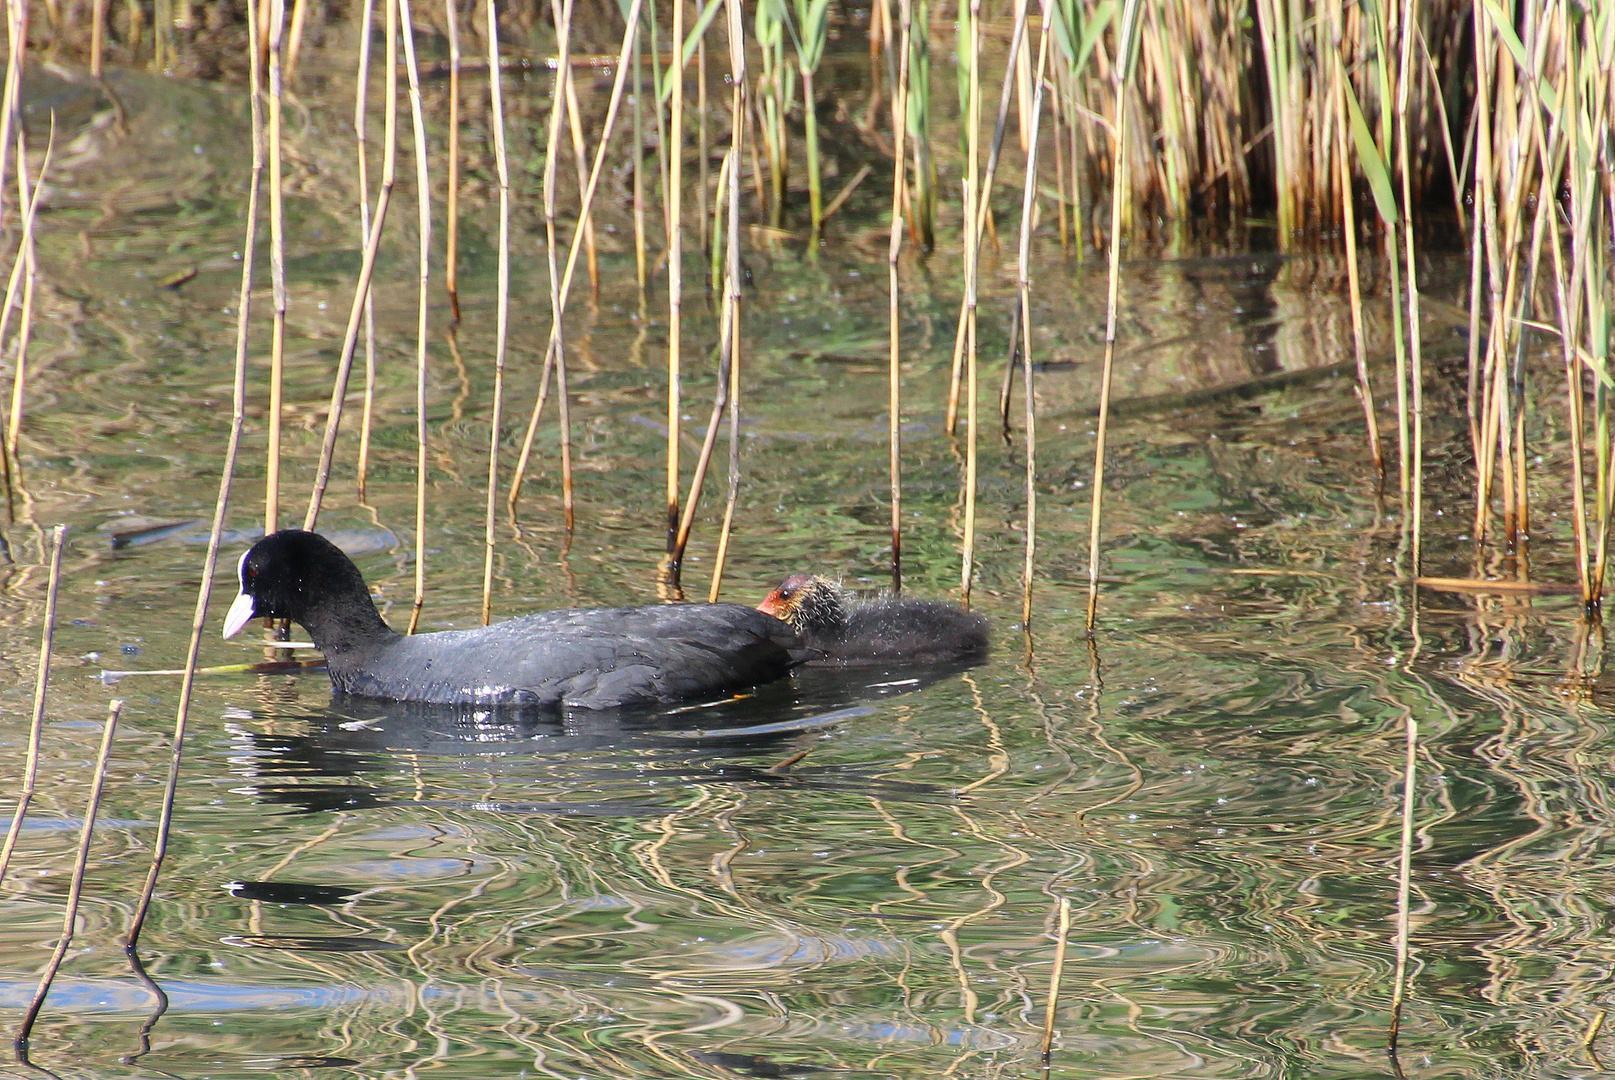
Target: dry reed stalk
28, 259
423, 200
363, 306
232, 449
974, 197
502, 324
1023, 267
451, 257
75, 889
737, 69
36, 723
277, 266
675, 269
628, 41
362, 145
894, 377
1058, 973
1348, 217
1121, 82
1404, 880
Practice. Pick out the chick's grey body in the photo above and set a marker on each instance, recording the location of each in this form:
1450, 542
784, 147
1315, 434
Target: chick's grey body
593, 658
844, 629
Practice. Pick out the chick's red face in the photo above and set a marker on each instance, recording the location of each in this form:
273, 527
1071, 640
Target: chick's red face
783, 600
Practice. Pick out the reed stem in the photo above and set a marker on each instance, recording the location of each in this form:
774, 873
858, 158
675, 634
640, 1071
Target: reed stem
1064, 935
277, 266
36, 723
1404, 880
894, 378
70, 912
75, 889
362, 146
28, 258
1121, 84
232, 449
496, 99
451, 256
423, 200
630, 36
675, 269
737, 69
1023, 267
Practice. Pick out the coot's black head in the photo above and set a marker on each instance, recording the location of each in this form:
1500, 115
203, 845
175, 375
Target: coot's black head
304, 577
811, 604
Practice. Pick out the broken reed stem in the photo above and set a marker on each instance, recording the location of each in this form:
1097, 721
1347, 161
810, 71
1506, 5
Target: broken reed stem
1058, 973
47, 635
423, 200
232, 449
628, 39
496, 99
277, 268
675, 269
737, 68
362, 145
75, 888
894, 378
451, 257
973, 196
27, 256
1121, 82
1023, 268
1404, 880
363, 305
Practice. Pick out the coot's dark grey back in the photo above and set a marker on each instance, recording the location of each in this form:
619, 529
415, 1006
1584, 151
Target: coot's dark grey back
591, 658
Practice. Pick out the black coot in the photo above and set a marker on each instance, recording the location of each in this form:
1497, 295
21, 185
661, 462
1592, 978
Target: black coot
881, 628
593, 658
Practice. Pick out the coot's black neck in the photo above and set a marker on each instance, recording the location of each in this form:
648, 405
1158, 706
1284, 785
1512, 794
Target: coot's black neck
345, 621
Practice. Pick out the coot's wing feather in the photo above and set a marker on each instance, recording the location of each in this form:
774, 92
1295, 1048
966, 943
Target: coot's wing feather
590, 658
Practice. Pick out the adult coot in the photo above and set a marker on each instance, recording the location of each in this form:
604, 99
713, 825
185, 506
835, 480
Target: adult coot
882, 628
592, 658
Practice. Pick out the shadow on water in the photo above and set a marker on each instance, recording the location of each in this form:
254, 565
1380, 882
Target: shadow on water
326, 766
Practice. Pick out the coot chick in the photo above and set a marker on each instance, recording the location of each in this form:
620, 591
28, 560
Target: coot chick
881, 628
592, 658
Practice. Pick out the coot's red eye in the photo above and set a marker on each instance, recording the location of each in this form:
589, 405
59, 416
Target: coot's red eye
786, 593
